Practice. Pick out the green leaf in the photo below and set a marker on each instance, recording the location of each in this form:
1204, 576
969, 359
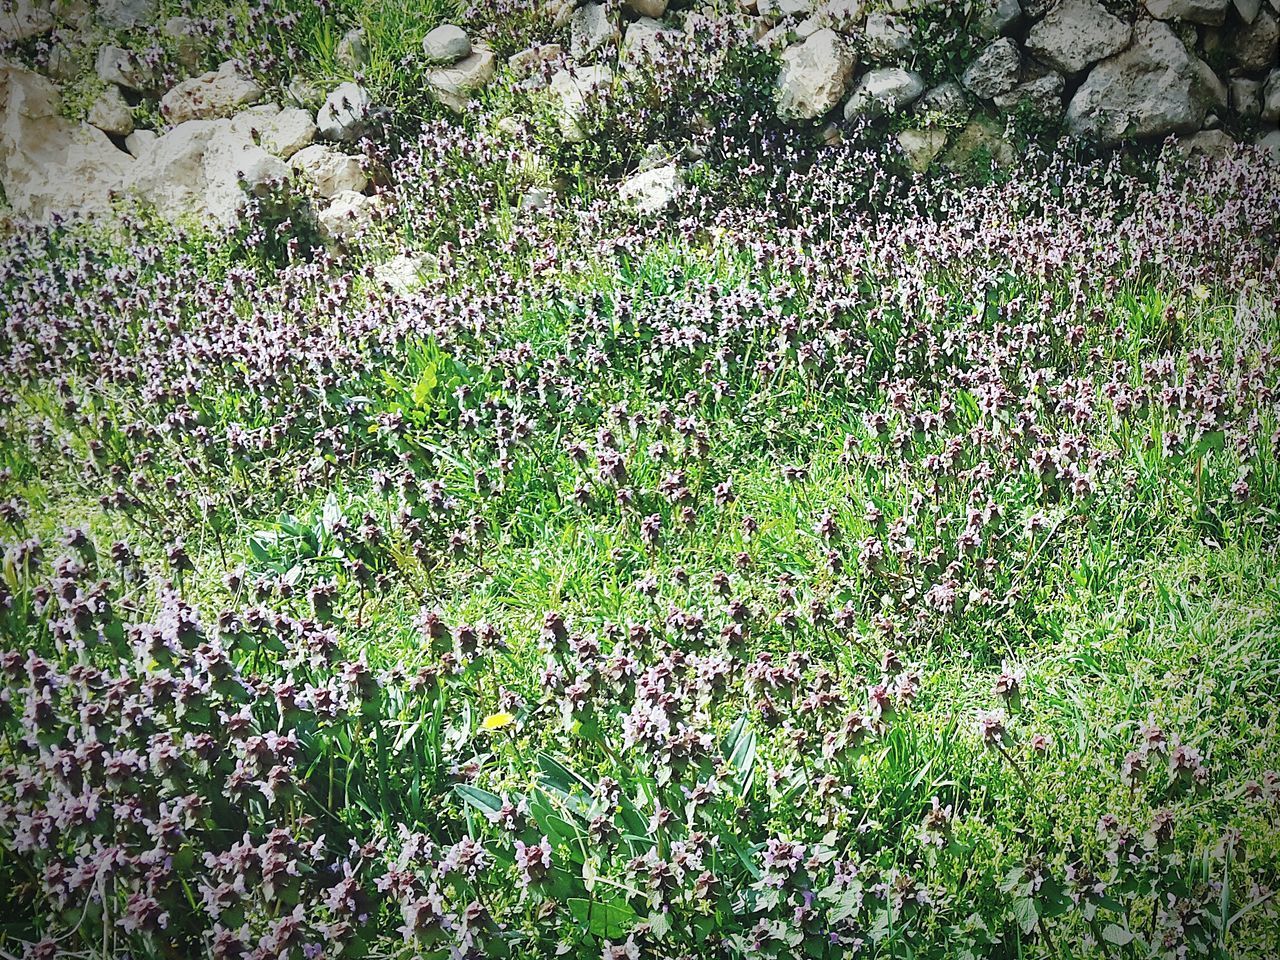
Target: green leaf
1215, 442
1116, 934
1024, 911
740, 751
425, 385
609, 920
487, 803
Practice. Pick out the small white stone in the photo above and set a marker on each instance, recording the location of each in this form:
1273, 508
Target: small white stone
447, 43
140, 141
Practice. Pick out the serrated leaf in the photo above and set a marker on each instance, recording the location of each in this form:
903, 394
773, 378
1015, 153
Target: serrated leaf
1024, 911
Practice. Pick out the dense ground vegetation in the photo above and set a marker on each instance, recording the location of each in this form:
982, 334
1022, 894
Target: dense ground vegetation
842, 564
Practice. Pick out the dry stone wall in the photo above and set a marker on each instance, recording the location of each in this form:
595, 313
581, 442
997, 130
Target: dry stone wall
1108, 71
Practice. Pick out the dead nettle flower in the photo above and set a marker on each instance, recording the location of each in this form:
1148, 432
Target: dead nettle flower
1008, 685
935, 829
1133, 770
1151, 739
627, 950
1187, 768
533, 861
991, 729
651, 530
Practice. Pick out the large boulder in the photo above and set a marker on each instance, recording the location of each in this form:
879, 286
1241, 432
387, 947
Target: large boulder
346, 113
204, 170
213, 95
49, 165
1075, 34
1210, 12
453, 86
995, 70
1153, 89
815, 76
884, 90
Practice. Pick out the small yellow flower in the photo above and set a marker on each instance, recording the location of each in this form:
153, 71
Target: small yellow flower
496, 721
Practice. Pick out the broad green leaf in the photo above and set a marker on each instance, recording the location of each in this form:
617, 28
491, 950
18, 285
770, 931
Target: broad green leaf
609, 920
487, 803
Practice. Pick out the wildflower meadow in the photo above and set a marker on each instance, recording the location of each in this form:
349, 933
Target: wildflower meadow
837, 561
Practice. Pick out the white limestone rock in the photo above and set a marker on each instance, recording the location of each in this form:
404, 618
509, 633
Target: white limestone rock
346, 113
573, 92
1152, 89
49, 165
213, 95
348, 216
652, 191
1211, 12
995, 71
454, 86
447, 43
1075, 34
329, 172
593, 29
884, 90
815, 76
111, 114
